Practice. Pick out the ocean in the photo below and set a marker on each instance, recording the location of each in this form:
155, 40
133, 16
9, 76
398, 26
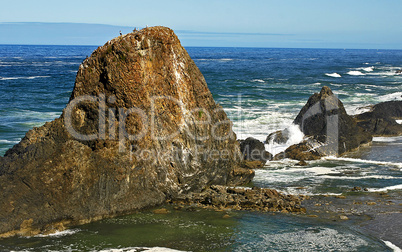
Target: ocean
262, 90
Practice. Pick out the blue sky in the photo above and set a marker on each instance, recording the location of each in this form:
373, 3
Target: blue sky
372, 24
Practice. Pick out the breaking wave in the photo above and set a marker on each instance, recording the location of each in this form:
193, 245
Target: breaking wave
335, 75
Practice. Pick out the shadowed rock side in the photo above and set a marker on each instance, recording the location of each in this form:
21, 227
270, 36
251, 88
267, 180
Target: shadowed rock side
380, 121
141, 127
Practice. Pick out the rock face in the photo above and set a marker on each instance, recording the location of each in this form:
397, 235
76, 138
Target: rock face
330, 129
141, 126
380, 121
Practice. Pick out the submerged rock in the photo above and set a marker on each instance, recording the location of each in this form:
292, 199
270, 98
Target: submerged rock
330, 129
141, 126
278, 137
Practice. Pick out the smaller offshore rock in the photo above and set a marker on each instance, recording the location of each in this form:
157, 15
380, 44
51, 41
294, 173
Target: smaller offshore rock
330, 130
254, 150
278, 137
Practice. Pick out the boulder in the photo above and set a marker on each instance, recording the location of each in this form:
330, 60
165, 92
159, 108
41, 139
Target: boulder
254, 150
306, 150
380, 120
141, 126
325, 120
278, 137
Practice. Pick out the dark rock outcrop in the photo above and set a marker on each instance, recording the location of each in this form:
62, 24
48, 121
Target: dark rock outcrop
221, 197
141, 126
330, 129
380, 121
254, 150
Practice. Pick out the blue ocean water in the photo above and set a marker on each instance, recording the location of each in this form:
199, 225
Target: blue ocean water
261, 90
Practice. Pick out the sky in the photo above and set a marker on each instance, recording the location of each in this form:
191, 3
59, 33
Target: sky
364, 24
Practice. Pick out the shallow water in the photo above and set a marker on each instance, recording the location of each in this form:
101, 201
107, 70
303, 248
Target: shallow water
204, 230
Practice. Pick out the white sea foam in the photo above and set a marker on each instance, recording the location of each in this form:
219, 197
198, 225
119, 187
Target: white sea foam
290, 175
142, 249
258, 123
356, 109
368, 69
385, 71
399, 121
220, 59
4, 141
359, 177
318, 170
357, 160
384, 74
356, 73
392, 246
388, 188
335, 75
390, 97
60, 233
258, 80
295, 136
23, 78
387, 139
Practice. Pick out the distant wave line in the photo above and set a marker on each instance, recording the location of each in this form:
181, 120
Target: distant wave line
23, 78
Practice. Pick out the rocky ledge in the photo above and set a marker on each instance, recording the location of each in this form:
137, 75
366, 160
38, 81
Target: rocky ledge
238, 198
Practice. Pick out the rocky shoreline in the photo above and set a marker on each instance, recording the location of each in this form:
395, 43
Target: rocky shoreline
100, 160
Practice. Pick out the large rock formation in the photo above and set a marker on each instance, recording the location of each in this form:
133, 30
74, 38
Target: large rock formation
141, 126
380, 121
330, 130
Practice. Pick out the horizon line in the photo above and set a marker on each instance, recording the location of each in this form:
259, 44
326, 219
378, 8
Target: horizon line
184, 35
245, 47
